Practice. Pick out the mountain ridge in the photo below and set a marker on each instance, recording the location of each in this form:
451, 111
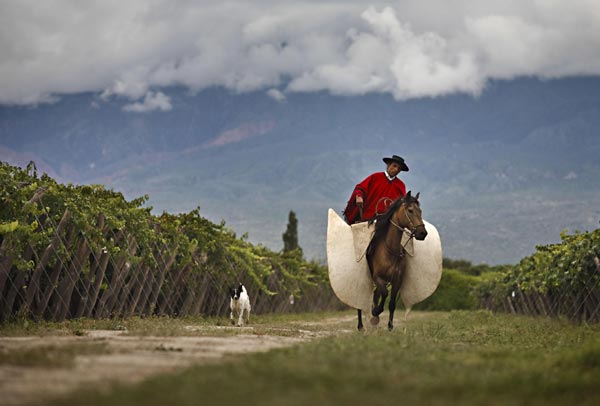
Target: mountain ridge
498, 174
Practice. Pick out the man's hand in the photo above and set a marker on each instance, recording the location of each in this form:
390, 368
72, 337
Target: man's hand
359, 203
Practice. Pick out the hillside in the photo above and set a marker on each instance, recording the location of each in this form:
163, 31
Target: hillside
498, 174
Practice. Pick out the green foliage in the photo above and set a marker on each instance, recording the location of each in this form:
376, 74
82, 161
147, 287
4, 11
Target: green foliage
31, 209
460, 286
37, 206
468, 268
9, 227
455, 292
553, 269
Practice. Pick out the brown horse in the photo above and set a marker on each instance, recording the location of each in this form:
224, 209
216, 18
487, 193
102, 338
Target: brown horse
386, 255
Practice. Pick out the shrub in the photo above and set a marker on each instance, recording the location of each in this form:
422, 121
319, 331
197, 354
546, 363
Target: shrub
455, 292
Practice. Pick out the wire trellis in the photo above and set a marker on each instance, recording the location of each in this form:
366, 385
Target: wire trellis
577, 301
75, 277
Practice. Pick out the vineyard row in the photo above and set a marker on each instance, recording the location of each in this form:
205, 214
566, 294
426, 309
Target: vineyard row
59, 260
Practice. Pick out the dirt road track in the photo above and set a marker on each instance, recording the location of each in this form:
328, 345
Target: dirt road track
129, 359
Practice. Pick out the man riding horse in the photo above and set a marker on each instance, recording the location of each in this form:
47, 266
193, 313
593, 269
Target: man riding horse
354, 273
373, 195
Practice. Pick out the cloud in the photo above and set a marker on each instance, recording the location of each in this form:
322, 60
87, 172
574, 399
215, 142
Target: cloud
423, 48
130, 85
390, 57
152, 101
276, 94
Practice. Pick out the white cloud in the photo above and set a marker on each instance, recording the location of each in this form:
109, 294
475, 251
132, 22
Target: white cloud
276, 94
390, 57
510, 46
414, 48
152, 101
130, 85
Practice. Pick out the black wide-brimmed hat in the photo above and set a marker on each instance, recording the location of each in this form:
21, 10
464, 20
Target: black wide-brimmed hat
397, 159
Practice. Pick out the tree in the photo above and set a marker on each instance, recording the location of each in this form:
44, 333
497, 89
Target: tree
290, 237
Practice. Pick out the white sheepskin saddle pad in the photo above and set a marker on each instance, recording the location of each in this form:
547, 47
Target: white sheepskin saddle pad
349, 272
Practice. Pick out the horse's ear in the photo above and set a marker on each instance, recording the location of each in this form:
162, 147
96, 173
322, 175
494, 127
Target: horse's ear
417, 196
408, 194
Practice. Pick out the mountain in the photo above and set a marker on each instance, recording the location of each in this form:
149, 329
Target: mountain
498, 173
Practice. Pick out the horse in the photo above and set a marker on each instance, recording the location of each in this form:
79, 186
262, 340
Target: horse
386, 255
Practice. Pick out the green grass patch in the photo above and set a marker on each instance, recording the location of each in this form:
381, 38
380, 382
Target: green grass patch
50, 356
273, 324
437, 358
27, 327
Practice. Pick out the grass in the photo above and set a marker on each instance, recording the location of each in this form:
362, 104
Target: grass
272, 324
50, 356
437, 358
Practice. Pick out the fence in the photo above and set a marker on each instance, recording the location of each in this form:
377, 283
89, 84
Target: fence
578, 301
74, 276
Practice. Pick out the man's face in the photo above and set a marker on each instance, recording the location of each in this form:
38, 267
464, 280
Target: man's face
393, 169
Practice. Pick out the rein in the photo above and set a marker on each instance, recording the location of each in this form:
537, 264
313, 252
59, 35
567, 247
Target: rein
402, 251
411, 235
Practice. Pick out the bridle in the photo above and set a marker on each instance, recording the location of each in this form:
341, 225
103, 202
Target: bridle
413, 228
411, 234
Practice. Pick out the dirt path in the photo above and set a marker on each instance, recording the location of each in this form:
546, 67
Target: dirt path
115, 356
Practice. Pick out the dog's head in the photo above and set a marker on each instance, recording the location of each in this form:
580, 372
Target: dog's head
235, 292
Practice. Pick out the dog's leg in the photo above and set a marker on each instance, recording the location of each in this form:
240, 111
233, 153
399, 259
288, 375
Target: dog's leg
241, 318
248, 315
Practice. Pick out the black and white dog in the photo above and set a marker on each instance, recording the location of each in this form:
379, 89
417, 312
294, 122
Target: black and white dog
238, 304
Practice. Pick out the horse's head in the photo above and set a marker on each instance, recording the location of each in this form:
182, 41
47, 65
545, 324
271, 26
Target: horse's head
408, 216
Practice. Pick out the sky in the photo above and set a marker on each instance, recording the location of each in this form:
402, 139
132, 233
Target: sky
409, 49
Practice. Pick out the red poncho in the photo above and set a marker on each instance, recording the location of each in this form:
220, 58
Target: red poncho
373, 190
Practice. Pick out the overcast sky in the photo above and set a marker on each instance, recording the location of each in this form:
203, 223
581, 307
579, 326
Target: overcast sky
135, 48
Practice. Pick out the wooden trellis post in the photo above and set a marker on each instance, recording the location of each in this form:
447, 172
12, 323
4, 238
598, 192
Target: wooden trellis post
159, 280
34, 286
66, 286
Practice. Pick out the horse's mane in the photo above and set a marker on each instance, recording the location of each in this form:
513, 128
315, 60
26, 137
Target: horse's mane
383, 221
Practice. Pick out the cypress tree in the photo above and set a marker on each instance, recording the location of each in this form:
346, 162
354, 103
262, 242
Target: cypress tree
290, 237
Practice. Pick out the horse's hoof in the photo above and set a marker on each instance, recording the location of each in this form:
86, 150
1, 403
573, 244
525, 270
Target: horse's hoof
390, 327
361, 328
375, 320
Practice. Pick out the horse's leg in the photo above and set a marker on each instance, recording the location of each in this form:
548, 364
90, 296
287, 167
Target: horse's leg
381, 293
360, 325
375, 318
375, 299
393, 297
